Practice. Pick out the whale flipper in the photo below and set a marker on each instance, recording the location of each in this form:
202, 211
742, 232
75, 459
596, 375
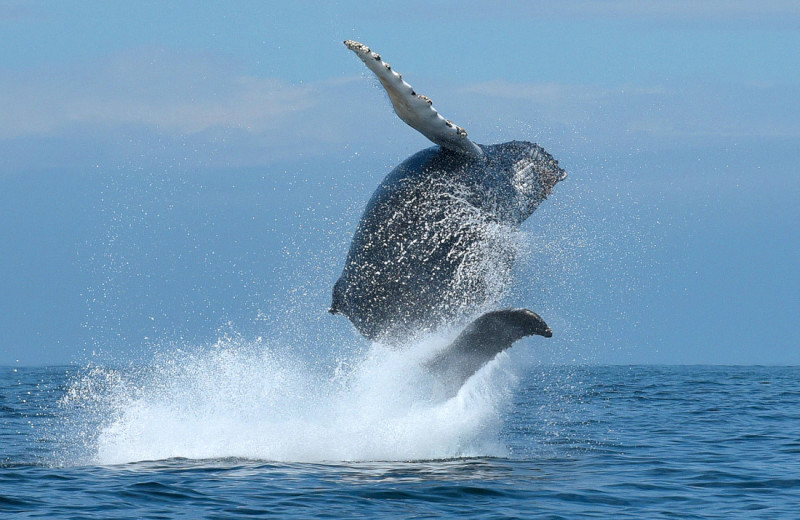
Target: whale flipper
416, 110
481, 341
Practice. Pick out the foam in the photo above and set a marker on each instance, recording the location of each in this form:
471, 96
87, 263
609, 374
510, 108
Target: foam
246, 399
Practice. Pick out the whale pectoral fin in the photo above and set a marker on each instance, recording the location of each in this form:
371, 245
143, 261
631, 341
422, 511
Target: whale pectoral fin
481, 341
416, 110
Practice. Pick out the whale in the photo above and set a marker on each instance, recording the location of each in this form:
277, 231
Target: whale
430, 248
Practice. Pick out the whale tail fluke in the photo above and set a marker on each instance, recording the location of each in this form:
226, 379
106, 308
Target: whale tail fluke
481, 341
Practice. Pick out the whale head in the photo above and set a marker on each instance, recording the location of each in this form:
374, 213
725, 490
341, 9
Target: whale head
532, 172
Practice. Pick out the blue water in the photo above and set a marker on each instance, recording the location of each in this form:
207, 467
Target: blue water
547, 442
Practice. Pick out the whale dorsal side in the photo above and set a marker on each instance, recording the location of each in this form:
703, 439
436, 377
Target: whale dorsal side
414, 109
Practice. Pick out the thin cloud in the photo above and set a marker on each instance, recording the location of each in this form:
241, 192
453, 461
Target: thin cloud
720, 110
166, 93
549, 93
117, 109
235, 118
147, 105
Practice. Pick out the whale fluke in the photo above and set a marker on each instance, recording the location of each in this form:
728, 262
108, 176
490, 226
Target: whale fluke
416, 110
481, 341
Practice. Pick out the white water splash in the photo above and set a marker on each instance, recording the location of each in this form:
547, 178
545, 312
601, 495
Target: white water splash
243, 399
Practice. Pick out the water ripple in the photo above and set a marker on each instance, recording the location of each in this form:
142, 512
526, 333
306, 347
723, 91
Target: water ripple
582, 442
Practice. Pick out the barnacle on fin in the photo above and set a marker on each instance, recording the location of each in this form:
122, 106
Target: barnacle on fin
406, 102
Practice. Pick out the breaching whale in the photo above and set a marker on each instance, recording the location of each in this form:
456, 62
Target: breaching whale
425, 244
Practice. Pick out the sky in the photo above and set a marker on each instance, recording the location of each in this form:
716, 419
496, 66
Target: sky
172, 173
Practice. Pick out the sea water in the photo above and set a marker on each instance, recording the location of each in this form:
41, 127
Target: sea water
239, 431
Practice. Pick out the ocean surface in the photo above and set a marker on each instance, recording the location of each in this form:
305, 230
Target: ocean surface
222, 434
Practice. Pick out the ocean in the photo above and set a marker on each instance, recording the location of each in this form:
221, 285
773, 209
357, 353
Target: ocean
226, 434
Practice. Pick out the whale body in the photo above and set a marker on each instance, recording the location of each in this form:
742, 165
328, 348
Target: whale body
429, 248
430, 245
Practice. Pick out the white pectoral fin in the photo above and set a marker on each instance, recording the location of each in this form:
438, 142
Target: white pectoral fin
416, 110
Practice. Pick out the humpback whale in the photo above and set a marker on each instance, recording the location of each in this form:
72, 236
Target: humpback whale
425, 252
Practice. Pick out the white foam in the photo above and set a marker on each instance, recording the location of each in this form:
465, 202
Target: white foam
243, 399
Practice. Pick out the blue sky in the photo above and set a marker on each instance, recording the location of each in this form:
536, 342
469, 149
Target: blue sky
175, 171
